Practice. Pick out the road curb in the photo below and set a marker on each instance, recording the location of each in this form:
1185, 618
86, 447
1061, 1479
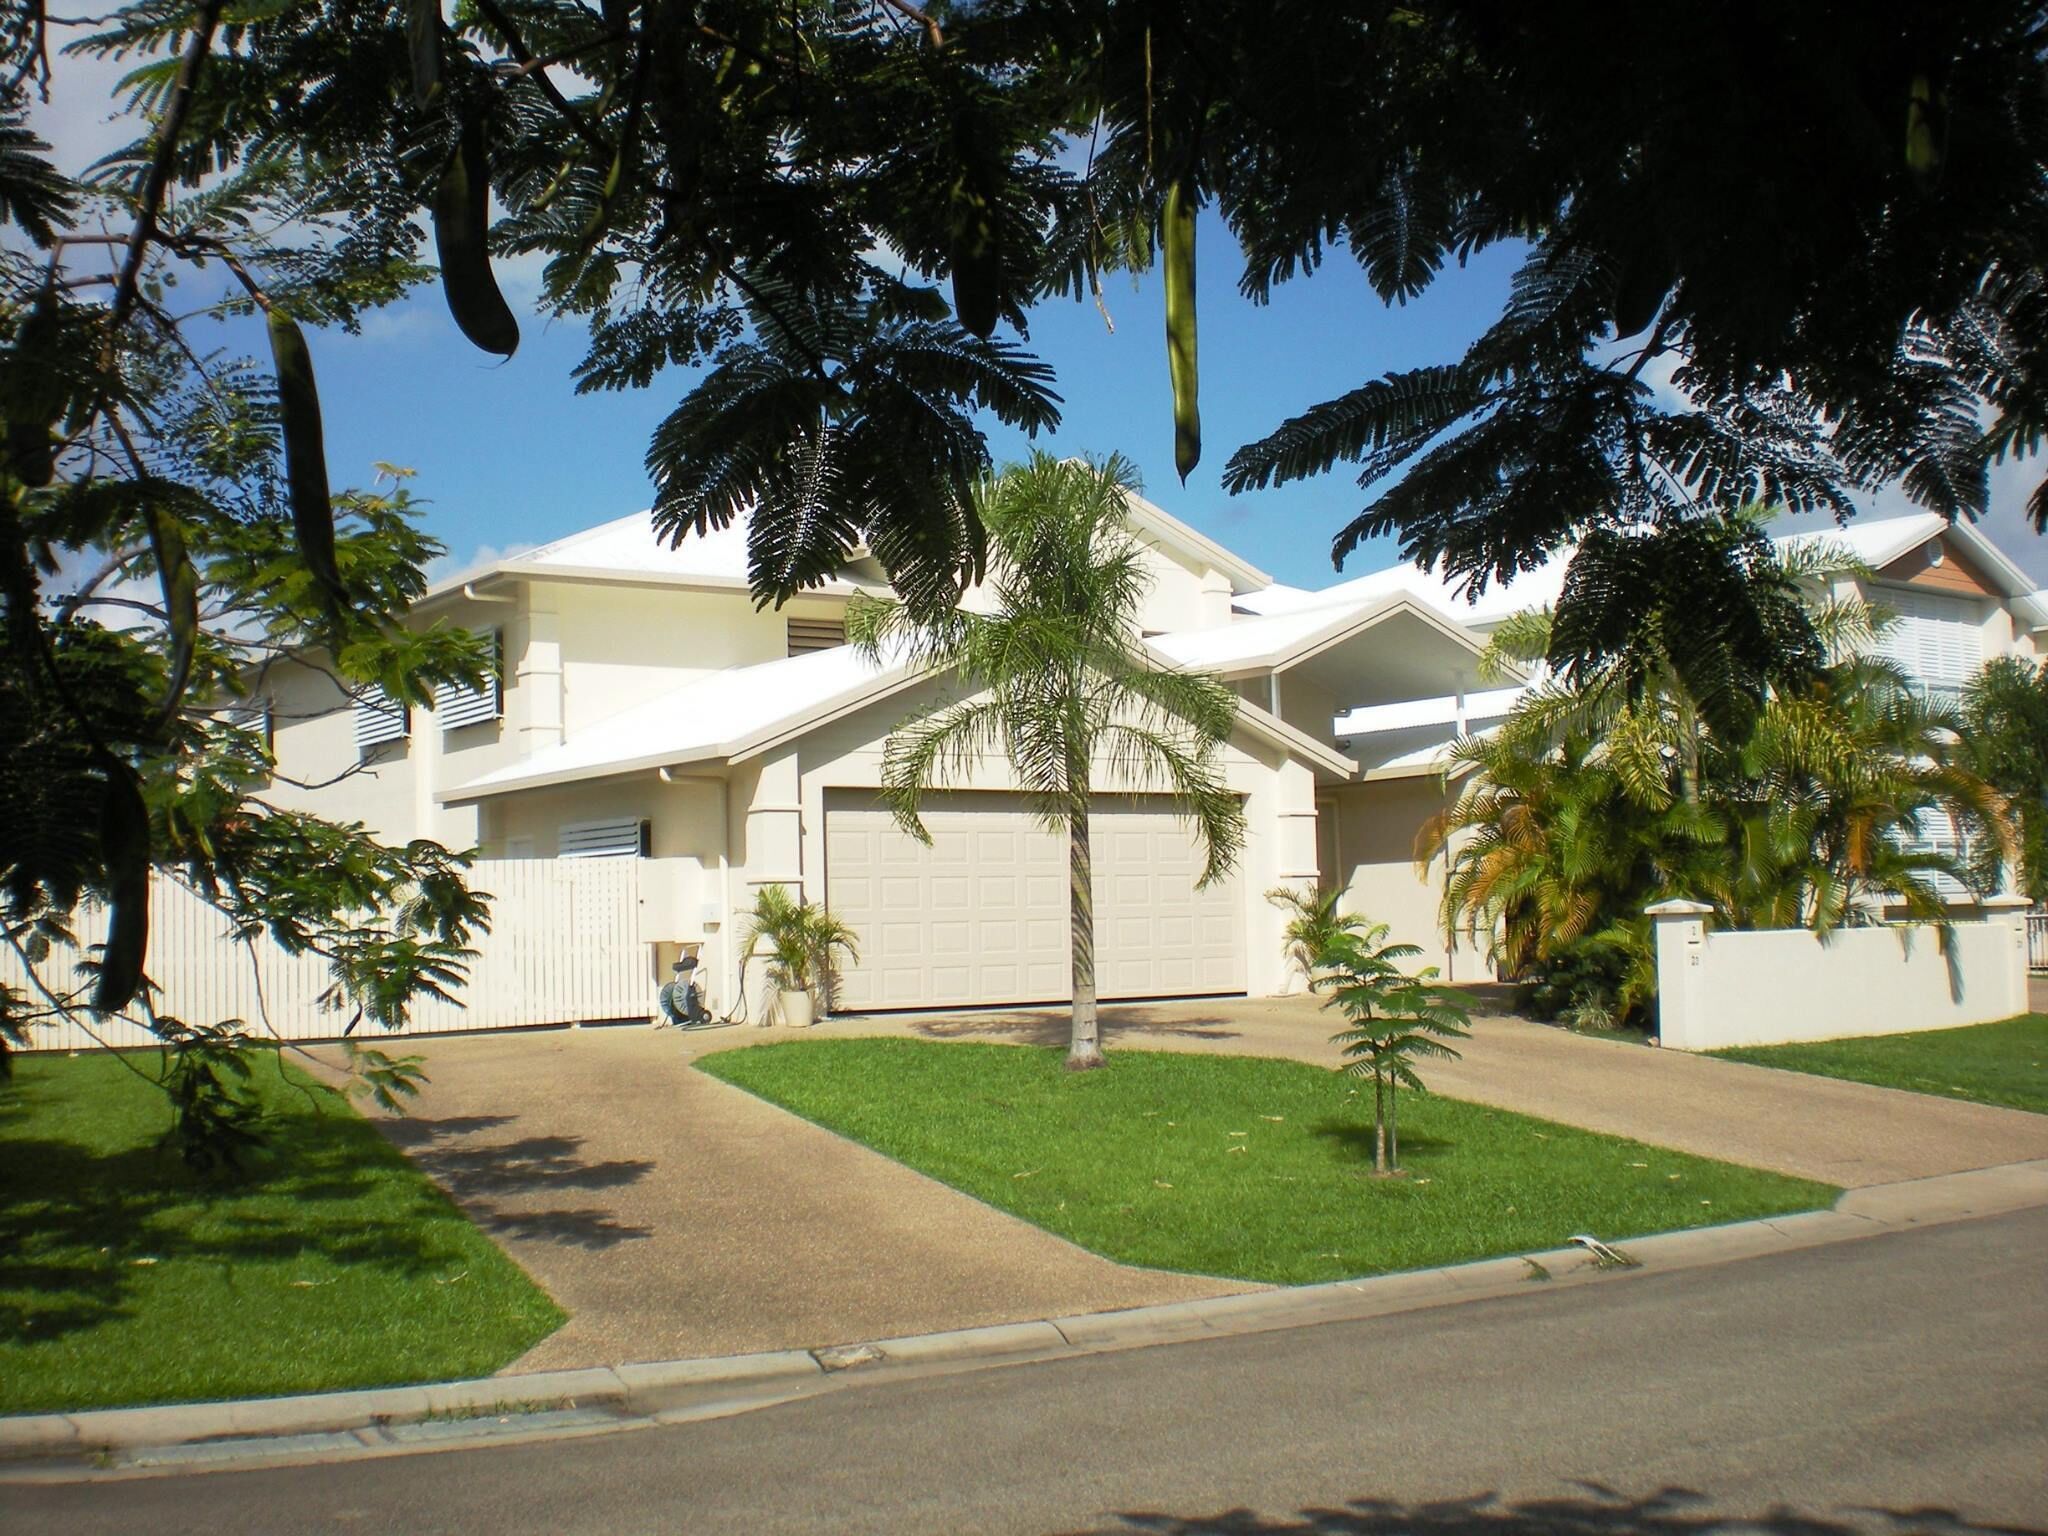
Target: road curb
642, 1391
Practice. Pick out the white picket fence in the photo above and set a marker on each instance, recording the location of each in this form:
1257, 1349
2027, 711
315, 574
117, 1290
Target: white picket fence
565, 947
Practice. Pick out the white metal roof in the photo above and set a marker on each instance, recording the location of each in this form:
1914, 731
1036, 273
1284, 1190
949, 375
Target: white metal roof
1877, 542
720, 715
1280, 640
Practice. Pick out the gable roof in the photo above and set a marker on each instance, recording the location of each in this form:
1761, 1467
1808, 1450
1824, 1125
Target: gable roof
738, 713
627, 550
1148, 519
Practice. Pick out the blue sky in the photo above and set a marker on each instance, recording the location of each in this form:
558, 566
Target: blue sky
508, 455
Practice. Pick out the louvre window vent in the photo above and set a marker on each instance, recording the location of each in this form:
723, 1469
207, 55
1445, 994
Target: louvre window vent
807, 635
457, 706
380, 719
625, 838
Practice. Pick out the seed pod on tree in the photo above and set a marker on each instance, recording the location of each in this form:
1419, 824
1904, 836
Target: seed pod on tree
124, 846
305, 450
35, 392
423, 41
180, 584
1177, 243
461, 221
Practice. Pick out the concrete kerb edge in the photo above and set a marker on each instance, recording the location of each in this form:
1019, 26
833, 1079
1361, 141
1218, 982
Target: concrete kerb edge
636, 1391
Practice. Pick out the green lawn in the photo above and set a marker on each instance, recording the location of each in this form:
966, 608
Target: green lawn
1242, 1166
2004, 1063
125, 1279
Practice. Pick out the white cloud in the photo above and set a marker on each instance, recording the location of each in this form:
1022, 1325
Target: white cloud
83, 119
451, 565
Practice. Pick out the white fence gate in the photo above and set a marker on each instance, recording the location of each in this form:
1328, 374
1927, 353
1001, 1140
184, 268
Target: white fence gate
565, 947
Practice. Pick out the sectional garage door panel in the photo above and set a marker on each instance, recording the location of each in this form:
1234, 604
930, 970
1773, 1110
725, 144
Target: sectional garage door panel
980, 914
980, 917
1155, 934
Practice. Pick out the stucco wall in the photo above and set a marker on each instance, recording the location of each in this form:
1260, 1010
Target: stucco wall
1376, 828
1782, 985
622, 645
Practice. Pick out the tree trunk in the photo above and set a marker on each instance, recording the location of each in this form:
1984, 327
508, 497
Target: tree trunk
1379, 1123
1085, 1050
1394, 1127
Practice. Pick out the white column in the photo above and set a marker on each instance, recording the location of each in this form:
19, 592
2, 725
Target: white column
539, 677
1680, 932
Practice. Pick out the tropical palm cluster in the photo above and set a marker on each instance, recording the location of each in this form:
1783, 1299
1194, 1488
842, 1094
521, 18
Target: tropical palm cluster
1783, 784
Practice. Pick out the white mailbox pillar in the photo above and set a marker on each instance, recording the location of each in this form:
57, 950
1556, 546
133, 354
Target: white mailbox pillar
1680, 929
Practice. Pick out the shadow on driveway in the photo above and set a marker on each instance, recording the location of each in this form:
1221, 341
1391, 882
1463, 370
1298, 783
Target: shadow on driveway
1601, 1512
481, 1172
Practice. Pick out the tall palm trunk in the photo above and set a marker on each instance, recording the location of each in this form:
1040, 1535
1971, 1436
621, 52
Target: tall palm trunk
1085, 1050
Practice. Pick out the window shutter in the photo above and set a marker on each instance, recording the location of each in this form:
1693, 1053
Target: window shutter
807, 635
253, 717
623, 838
380, 719
1936, 639
457, 706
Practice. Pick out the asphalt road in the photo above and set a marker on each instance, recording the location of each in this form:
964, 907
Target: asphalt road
1890, 1384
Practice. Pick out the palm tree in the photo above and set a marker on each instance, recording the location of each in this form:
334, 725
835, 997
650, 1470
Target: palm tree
1057, 681
2005, 709
1828, 792
1315, 922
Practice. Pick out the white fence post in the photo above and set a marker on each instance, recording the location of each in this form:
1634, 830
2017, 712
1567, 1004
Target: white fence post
1680, 930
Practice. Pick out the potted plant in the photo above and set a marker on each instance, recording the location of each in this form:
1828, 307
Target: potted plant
803, 944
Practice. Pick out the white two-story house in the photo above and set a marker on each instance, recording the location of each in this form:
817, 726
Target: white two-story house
647, 708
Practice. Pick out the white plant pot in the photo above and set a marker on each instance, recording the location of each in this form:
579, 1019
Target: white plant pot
796, 1008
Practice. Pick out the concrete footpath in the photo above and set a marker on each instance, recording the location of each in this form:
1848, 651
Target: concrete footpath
285, 1431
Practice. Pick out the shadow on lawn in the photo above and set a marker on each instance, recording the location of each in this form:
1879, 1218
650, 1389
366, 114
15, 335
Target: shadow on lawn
1600, 1512
80, 1230
1130, 1025
487, 1178
1356, 1137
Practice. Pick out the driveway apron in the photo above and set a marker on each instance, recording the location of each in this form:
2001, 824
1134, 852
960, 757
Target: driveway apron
672, 1215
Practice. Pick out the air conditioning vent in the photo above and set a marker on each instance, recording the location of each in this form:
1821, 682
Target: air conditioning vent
380, 719
807, 635
624, 838
457, 706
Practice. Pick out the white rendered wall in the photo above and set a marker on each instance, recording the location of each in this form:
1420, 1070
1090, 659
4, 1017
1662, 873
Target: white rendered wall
1777, 986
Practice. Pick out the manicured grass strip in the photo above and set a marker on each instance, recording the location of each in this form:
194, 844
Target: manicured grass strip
1242, 1166
125, 1279
2004, 1063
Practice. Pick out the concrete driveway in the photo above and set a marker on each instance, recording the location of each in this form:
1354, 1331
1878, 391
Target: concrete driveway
672, 1215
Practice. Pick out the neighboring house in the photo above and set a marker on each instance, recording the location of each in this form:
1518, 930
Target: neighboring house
648, 708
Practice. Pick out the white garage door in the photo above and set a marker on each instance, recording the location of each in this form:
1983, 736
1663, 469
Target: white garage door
980, 917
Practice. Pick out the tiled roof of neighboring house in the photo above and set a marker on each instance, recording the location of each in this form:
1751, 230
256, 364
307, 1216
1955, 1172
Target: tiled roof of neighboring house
1876, 542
